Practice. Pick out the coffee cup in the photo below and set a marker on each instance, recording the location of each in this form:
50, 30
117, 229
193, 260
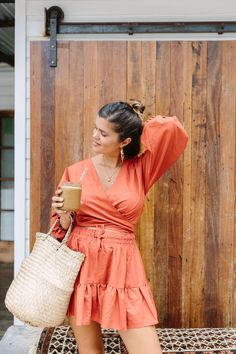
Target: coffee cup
71, 194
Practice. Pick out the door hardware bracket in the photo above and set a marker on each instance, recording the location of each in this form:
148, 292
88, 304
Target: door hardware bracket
53, 16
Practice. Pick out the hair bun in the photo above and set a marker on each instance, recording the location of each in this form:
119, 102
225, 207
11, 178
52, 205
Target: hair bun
137, 106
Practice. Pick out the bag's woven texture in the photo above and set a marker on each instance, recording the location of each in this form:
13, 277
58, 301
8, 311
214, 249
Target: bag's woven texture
201, 340
40, 293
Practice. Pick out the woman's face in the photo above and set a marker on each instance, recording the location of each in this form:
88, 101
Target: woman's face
105, 139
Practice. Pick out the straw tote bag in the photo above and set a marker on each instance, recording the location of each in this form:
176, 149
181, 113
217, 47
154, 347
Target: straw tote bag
41, 291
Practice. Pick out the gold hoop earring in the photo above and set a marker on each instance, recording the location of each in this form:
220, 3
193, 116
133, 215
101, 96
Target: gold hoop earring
122, 156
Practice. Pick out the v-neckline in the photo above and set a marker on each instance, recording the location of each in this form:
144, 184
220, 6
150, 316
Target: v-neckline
98, 178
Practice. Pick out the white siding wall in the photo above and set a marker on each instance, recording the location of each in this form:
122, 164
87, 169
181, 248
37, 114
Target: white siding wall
7, 103
6, 87
30, 25
149, 10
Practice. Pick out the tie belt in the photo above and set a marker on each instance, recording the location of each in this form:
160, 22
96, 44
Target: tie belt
101, 232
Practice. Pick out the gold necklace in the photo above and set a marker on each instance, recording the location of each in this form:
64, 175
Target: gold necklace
109, 178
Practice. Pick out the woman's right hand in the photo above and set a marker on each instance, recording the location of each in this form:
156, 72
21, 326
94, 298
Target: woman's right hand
57, 203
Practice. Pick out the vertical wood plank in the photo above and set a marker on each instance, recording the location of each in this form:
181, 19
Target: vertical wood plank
161, 197
76, 99
105, 73
119, 71
234, 250
163, 83
134, 66
214, 89
187, 181
107, 81
47, 138
198, 180
69, 106
175, 217
227, 184
91, 101
111, 64
35, 135
62, 133
141, 85
147, 94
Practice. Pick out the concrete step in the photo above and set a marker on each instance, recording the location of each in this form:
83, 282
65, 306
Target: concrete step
20, 340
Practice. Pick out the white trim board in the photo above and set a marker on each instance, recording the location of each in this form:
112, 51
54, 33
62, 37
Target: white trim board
20, 122
157, 10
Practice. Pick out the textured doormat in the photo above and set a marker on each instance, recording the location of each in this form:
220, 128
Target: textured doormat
60, 340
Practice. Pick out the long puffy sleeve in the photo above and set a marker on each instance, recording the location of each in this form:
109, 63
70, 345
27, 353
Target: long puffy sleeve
164, 139
58, 230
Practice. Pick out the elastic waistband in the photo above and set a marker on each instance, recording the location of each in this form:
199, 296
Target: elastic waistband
106, 234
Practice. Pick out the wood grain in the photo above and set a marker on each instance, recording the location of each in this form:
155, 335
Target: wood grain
187, 231
69, 114
161, 198
35, 135
63, 130
198, 188
134, 87
142, 87
119, 71
91, 98
227, 173
188, 240
47, 142
175, 241
147, 222
214, 89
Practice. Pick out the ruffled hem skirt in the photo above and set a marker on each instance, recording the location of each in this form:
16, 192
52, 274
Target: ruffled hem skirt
111, 287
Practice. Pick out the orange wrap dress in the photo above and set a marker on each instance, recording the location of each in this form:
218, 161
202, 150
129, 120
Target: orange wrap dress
112, 287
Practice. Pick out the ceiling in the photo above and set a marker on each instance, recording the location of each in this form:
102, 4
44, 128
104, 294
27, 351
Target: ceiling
7, 22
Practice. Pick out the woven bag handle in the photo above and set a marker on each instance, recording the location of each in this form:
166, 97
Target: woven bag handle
64, 240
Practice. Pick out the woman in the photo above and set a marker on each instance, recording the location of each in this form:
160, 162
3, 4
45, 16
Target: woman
111, 290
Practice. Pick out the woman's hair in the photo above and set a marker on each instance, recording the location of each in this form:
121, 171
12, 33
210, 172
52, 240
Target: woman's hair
127, 122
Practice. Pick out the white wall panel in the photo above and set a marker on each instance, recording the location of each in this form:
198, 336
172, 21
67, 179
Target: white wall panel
27, 47
27, 173
7, 198
6, 102
27, 66
27, 87
7, 226
27, 196
27, 246
106, 10
27, 128
20, 117
27, 107
7, 77
131, 10
27, 228
35, 28
6, 91
27, 204
6, 87
28, 148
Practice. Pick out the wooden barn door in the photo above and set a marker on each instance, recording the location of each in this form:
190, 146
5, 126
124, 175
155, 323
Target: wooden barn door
187, 230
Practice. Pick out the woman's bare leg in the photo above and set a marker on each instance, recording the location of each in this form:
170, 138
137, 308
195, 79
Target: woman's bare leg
141, 340
88, 337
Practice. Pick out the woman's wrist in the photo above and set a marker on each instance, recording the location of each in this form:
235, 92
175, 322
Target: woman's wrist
65, 220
